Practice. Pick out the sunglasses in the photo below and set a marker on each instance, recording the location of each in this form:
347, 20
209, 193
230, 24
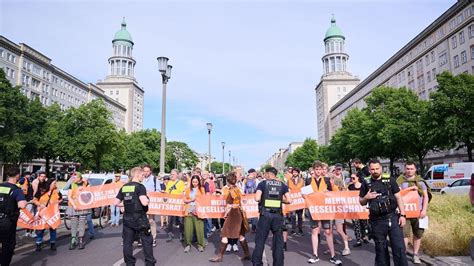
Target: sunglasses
313, 173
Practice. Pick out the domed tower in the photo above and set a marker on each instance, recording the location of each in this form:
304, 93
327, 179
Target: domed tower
120, 83
121, 63
336, 81
335, 58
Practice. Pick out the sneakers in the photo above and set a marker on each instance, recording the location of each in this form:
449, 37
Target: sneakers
285, 247
170, 237
313, 259
53, 246
139, 243
200, 249
38, 247
346, 252
235, 248
154, 242
335, 261
213, 229
357, 244
187, 249
228, 248
416, 259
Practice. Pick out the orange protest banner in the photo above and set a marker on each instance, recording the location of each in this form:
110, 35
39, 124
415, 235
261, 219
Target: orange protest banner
336, 205
297, 203
166, 204
210, 206
345, 205
250, 205
48, 217
411, 201
93, 197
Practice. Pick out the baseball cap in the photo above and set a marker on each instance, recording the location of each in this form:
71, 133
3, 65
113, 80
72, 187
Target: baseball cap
251, 170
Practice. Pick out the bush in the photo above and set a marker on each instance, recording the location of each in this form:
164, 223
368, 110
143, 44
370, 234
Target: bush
451, 226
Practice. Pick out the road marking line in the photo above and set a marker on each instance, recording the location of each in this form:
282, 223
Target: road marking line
118, 263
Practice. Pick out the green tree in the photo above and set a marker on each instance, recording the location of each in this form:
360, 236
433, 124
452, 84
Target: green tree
304, 156
49, 133
89, 134
143, 147
179, 156
452, 112
115, 160
264, 167
15, 124
216, 167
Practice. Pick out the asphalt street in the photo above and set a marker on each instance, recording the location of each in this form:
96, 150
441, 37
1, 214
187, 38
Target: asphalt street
106, 249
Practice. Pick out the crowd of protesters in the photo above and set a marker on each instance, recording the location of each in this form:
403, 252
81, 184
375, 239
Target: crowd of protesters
191, 229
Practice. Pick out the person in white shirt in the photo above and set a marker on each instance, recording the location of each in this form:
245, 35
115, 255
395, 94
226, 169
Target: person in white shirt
152, 184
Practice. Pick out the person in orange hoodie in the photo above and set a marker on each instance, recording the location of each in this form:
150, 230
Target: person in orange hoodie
192, 223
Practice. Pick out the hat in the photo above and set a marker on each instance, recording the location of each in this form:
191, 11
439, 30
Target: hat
271, 170
77, 174
166, 177
251, 170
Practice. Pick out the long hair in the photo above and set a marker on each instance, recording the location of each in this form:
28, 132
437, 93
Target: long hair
191, 182
232, 178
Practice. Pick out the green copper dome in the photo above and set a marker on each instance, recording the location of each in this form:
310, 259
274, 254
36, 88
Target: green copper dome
334, 31
123, 34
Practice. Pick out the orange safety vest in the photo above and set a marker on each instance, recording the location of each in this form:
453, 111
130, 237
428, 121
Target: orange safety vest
322, 186
295, 187
45, 197
24, 186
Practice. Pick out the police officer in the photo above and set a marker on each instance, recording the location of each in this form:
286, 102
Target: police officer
11, 201
132, 196
383, 197
270, 195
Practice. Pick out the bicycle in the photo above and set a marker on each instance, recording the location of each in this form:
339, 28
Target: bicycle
104, 216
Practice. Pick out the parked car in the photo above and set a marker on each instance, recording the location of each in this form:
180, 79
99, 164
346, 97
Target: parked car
471, 195
459, 187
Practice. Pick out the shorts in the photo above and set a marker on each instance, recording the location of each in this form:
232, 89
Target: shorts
326, 224
413, 226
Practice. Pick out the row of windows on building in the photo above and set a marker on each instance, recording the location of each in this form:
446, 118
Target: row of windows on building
9, 72
121, 67
8, 56
122, 50
334, 46
335, 64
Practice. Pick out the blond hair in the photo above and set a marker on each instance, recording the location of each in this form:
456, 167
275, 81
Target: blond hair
135, 172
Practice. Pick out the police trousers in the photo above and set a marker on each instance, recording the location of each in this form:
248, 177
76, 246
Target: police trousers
7, 242
266, 223
380, 230
128, 235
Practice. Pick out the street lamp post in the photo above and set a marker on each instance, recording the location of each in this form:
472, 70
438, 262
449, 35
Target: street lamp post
230, 165
165, 70
223, 164
209, 129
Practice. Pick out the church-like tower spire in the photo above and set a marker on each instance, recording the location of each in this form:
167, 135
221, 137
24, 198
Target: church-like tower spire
335, 58
121, 63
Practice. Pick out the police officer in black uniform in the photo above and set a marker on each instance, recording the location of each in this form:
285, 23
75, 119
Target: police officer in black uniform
270, 195
12, 200
383, 197
135, 203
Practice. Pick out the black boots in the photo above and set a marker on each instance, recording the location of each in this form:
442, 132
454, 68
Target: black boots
53, 246
38, 247
220, 255
73, 243
81, 242
245, 247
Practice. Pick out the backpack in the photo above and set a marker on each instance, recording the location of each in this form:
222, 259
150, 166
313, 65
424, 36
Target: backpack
401, 179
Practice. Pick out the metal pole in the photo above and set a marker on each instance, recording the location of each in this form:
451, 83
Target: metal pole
230, 165
163, 130
210, 157
223, 164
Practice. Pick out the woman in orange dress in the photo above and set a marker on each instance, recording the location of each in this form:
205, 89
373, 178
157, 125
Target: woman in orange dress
235, 226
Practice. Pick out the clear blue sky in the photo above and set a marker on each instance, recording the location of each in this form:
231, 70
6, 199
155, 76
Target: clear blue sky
249, 67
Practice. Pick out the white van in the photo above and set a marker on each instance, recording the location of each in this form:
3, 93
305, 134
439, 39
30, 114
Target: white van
442, 175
